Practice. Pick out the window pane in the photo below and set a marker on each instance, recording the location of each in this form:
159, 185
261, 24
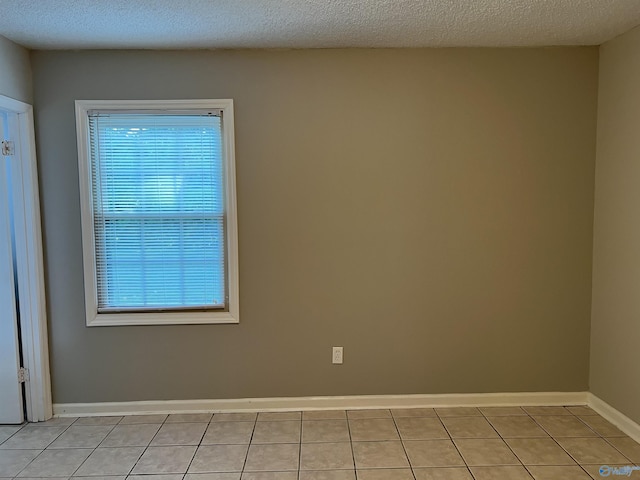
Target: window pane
158, 210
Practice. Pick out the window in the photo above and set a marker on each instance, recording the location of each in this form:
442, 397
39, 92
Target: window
157, 188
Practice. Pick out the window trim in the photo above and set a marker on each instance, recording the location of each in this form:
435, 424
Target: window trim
93, 318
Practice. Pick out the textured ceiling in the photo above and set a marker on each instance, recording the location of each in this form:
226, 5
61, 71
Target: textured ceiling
64, 24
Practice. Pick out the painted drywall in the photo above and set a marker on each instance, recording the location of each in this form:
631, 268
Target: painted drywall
15, 71
615, 328
430, 210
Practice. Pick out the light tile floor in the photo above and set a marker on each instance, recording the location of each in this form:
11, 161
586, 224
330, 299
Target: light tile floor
508, 443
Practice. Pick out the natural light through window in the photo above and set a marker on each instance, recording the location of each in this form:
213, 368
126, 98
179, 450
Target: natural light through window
158, 213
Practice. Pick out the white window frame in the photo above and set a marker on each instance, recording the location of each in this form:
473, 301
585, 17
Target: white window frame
93, 318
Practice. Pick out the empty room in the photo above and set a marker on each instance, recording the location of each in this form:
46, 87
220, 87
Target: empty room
343, 240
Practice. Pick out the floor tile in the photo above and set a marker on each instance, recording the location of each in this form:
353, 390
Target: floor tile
270, 476
433, 453
279, 416
386, 474
56, 463
374, 413
448, 473
165, 460
130, 435
277, 432
421, 428
139, 419
558, 473
502, 411
234, 417
599, 471
56, 422
12, 461
110, 461
513, 427
601, 426
628, 447
328, 475
539, 451
326, 452
564, 426
379, 455
228, 432
64, 478
486, 452
326, 456
7, 431
324, 415
582, 410
272, 457
105, 477
97, 421
154, 477
33, 438
469, 427
82, 437
219, 458
413, 412
325, 431
592, 450
373, 429
458, 412
189, 418
546, 410
500, 473
180, 434
211, 476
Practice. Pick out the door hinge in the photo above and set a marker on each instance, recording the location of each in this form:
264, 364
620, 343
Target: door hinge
8, 148
23, 375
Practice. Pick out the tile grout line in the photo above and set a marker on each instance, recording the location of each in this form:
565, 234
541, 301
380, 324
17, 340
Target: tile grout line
600, 436
454, 443
605, 438
299, 448
246, 456
45, 448
353, 454
20, 427
505, 442
558, 443
145, 447
186, 472
404, 449
617, 449
94, 449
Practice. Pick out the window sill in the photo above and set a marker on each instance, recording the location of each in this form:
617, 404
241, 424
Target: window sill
160, 318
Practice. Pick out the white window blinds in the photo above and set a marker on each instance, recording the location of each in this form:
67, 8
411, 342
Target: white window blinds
157, 183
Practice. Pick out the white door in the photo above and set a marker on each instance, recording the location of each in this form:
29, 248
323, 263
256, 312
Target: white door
11, 410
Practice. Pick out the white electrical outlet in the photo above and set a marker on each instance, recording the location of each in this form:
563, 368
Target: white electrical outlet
337, 355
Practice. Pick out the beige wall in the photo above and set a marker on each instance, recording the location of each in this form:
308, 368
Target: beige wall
430, 210
15, 71
615, 324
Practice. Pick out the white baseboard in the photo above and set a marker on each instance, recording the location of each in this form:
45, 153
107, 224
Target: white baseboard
616, 417
320, 403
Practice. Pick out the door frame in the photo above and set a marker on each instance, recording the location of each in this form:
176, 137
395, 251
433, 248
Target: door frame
30, 263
